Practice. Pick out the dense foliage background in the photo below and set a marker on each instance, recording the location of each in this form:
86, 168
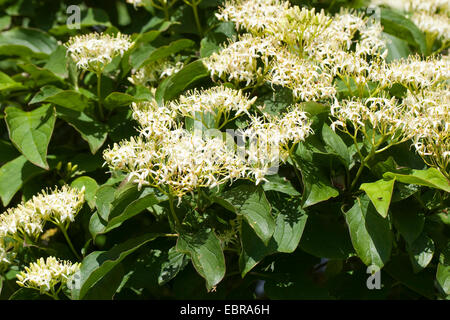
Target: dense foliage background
128, 249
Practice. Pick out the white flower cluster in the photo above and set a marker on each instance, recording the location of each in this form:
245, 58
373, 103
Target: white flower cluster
180, 160
28, 219
45, 275
254, 16
387, 116
60, 206
306, 51
169, 157
429, 125
413, 72
136, 3
152, 73
271, 139
94, 51
305, 78
245, 60
220, 101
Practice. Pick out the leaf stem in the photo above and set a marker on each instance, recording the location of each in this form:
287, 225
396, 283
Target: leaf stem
172, 211
64, 231
99, 95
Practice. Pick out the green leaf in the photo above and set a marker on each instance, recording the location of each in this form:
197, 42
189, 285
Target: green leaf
89, 18
69, 99
335, 144
408, 222
26, 43
90, 186
314, 108
31, 132
443, 277
403, 28
176, 83
92, 131
97, 264
318, 186
333, 240
117, 100
206, 254
13, 175
421, 252
26, 294
39, 77
211, 43
251, 202
380, 193
400, 269
174, 263
125, 206
430, 178
397, 48
6, 83
166, 51
371, 235
290, 223
276, 102
7, 151
57, 62
279, 184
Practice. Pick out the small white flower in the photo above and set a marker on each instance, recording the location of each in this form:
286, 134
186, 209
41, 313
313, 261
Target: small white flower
94, 51
45, 275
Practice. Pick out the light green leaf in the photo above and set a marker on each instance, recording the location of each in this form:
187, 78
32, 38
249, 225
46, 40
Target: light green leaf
421, 252
380, 193
443, 277
6, 83
125, 206
397, 48
206, 255
371, 235
430, 178
26, 43
90, 186
31, 132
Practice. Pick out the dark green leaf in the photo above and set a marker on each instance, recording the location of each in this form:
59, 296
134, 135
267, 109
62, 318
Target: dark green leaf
370, 233
206, 255
251, 202
92, 131
97, 264
176, 83
13, 175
